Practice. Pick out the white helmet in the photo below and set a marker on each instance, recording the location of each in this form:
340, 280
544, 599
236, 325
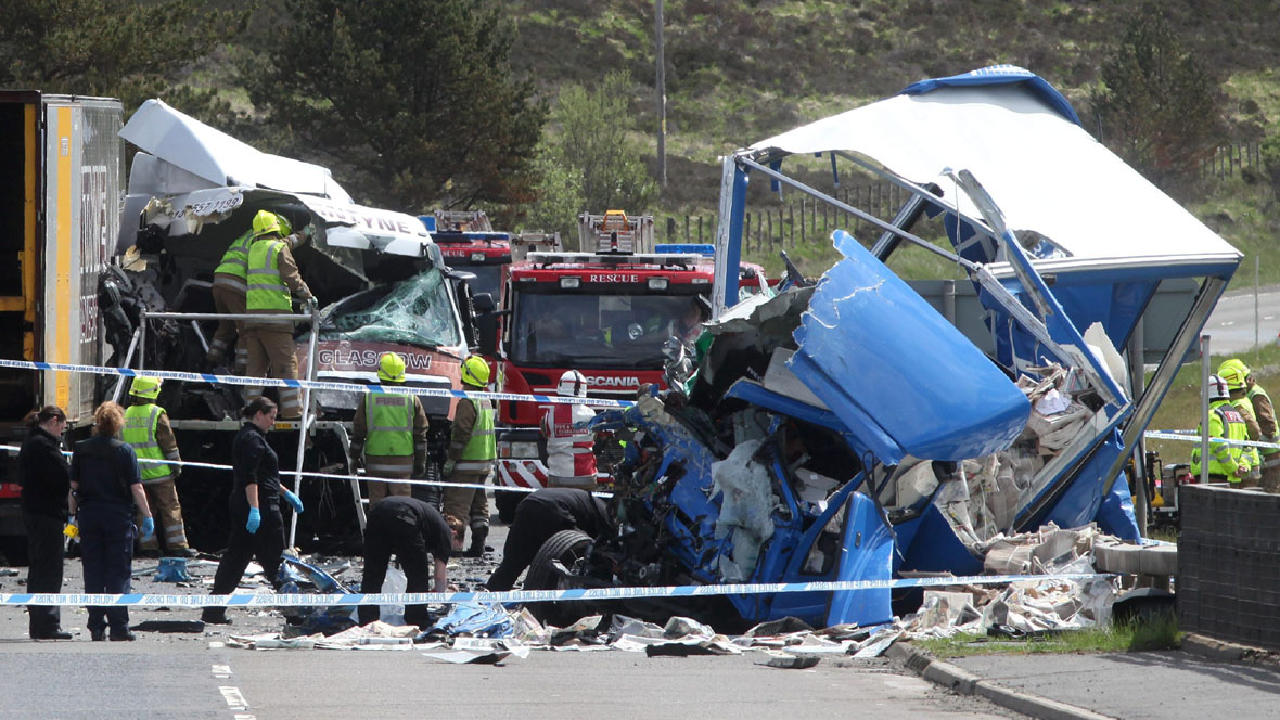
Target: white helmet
572, 384
1217, 387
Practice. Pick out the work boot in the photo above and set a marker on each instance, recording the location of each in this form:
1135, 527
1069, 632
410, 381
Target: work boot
478, 535
183, 552
215, 616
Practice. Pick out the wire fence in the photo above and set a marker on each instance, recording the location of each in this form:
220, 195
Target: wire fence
803, 219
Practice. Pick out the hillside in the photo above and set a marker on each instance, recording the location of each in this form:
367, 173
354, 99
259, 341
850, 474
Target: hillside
741, 71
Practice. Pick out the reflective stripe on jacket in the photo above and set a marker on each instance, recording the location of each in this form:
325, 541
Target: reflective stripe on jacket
570, 445
1225, 421
390, 420
265, 291
481, 449
234, 266
140, 433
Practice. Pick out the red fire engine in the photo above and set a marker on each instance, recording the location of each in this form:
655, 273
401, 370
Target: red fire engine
606, 312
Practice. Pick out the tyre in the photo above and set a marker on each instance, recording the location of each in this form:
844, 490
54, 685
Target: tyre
507, 502
566, 546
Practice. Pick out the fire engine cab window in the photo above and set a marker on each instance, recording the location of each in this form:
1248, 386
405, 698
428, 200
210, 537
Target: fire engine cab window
416, 311
607, 332
487, 277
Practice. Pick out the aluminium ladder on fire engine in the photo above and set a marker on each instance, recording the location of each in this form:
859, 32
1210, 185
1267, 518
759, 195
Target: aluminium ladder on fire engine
308, 417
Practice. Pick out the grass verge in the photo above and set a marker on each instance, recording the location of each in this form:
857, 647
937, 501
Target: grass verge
1156, 633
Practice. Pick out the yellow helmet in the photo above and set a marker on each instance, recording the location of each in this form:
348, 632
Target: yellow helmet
268, 223
1234, 371
475, 371
391, 368
145, 387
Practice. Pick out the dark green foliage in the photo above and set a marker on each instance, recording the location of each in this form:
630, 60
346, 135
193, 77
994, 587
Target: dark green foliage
1157, 106
114, 48
413, 99
587, 162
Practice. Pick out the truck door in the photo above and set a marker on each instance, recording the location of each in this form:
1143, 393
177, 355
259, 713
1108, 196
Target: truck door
20, 211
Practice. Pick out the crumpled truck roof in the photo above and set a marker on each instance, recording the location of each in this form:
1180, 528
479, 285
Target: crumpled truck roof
902, 379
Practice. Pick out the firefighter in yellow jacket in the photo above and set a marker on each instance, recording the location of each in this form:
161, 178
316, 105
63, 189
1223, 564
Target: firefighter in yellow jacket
472, 455
389, 435
228, 297
1227, 462
146, 428
271, 275
1233, 373
1237, 374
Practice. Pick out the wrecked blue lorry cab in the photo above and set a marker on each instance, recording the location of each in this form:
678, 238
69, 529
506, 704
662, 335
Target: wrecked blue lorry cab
846, 430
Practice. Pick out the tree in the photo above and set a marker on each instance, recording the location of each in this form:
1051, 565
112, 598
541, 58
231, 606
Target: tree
114, 48
588, 156
1157, 106
415, 100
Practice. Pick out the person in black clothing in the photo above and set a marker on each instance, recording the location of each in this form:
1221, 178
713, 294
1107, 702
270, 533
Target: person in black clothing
46, 484
410, 528
105, 484
539, 516
257, 527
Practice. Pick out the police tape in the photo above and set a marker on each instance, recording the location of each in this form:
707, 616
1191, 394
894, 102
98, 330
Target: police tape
1195, 436
335, 476
213, 379
515, 596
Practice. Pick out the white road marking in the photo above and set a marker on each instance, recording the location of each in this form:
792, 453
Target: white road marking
222, 672
233, 696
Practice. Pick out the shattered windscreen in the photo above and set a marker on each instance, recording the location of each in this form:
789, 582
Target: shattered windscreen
416, 312
606, 332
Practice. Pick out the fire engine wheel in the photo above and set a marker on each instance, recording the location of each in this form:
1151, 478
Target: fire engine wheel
566, 547
507, 502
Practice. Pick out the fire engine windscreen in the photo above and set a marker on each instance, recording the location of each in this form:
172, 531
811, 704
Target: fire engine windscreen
601, 331
488, 279
416, 312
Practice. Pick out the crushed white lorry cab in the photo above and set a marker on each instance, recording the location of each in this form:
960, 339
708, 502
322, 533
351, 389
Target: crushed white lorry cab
382, 285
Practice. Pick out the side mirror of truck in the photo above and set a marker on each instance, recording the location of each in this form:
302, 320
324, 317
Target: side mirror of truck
483, 303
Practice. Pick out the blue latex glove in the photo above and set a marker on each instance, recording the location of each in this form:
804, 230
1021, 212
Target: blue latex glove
255, 519
294, 500
448, 468
148, 528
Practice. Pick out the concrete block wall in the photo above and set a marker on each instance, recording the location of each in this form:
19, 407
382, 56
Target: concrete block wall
1228, 583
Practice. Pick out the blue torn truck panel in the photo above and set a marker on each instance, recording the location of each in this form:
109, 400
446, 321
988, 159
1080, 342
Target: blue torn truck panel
860, 349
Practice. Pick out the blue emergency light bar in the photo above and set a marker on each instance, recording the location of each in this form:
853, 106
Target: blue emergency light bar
705, 250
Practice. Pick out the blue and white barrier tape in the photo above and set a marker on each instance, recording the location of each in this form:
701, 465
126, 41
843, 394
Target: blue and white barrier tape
1194, 436
334, 476
514, 596
213, 379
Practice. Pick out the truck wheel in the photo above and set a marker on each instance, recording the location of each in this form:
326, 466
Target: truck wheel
507, 502
566, 546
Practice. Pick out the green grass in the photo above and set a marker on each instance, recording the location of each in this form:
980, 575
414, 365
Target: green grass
1159, 633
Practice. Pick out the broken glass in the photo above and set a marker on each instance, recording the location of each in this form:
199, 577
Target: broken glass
415, 312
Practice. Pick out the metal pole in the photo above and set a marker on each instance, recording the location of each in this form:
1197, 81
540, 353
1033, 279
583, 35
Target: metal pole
1134, 352
660, 81
306, 418
142, 342
1257, 341
1204, 409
